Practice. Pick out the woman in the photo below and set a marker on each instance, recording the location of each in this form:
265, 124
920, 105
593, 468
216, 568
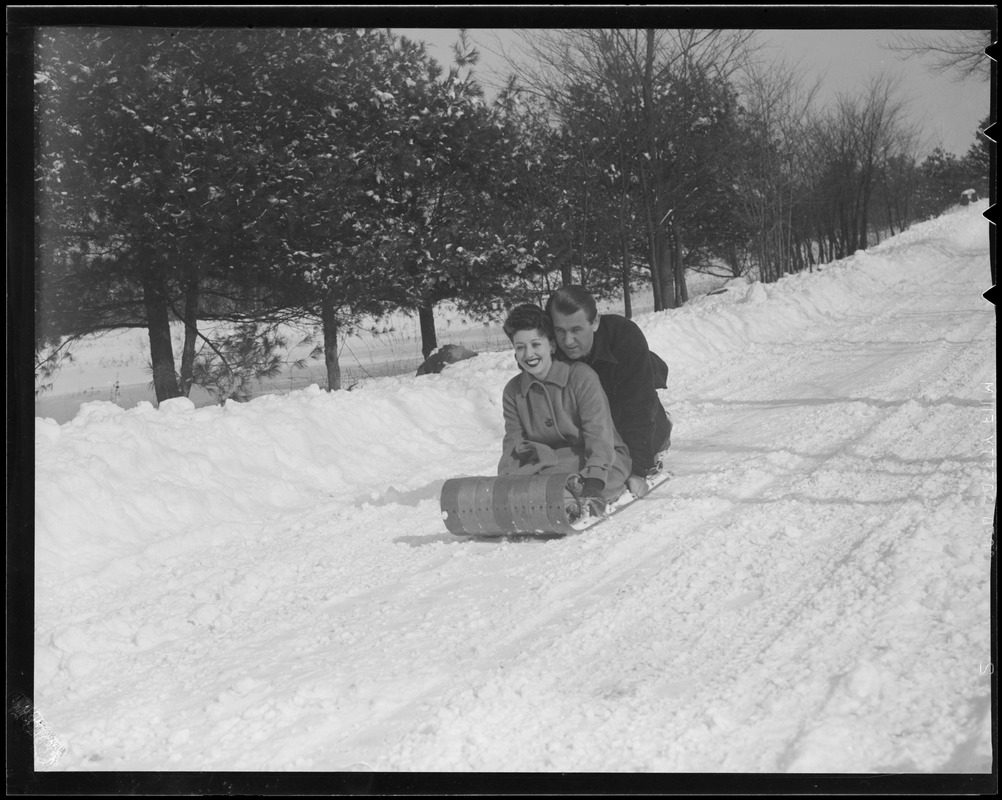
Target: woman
556, 414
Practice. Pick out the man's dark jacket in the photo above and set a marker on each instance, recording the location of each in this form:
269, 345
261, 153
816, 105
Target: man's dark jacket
630, 374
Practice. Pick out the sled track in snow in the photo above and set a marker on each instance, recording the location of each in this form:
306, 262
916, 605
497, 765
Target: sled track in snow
699, 639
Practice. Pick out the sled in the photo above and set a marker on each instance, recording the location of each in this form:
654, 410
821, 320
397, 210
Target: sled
516, 506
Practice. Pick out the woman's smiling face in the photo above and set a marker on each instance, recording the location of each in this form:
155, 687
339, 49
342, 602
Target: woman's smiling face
533, 352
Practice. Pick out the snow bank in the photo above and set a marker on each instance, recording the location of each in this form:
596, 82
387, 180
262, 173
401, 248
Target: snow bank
746, 315
113, 483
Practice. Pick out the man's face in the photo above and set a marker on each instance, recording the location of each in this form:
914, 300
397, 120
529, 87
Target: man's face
575, 334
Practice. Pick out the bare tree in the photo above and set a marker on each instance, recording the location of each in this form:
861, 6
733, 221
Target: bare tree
851, 144
664, 96
773, 163
897, 179
960, 54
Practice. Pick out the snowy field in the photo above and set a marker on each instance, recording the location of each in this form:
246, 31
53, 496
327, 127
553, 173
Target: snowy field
114, 366
270, 586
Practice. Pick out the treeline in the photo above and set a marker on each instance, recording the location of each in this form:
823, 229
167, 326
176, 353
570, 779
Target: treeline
256, 177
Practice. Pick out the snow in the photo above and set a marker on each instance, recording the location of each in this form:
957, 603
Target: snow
114, 365
270, 585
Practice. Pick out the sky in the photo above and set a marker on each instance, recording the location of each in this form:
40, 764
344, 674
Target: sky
947, 111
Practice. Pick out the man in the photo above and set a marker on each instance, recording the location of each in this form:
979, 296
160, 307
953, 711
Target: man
630, 374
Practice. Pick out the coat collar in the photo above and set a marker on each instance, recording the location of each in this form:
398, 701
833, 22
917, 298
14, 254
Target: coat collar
600, 350
558, 375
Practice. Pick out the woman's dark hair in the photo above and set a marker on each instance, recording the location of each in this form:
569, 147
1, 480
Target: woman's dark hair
528, 318
571, 299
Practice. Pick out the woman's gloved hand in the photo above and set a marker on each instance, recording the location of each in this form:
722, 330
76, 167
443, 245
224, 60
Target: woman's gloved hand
587, 498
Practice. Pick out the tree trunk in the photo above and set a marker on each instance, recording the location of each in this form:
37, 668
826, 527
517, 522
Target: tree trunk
627, 300
566, 275
650, 180
190, 334
848, 234
562, 261
665, 271
732, 260
864, 224
653, 260
681, 290
583, 247
822, 258
624, 237
329, 320
429, 339
161, 351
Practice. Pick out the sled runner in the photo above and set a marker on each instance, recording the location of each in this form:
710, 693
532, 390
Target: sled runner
523, 505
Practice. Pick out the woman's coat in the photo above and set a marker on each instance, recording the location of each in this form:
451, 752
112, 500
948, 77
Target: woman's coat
562, 423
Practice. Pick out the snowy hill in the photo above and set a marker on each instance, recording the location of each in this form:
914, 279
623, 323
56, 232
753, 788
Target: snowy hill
270, 586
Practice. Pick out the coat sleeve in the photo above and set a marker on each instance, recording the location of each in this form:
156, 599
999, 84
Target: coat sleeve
597, 428
634, 413
513, 433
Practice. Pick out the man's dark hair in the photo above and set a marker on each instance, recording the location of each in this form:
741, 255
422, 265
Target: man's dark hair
571, 299
529, 318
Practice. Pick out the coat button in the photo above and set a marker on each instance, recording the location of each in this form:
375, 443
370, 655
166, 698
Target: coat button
549, 423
